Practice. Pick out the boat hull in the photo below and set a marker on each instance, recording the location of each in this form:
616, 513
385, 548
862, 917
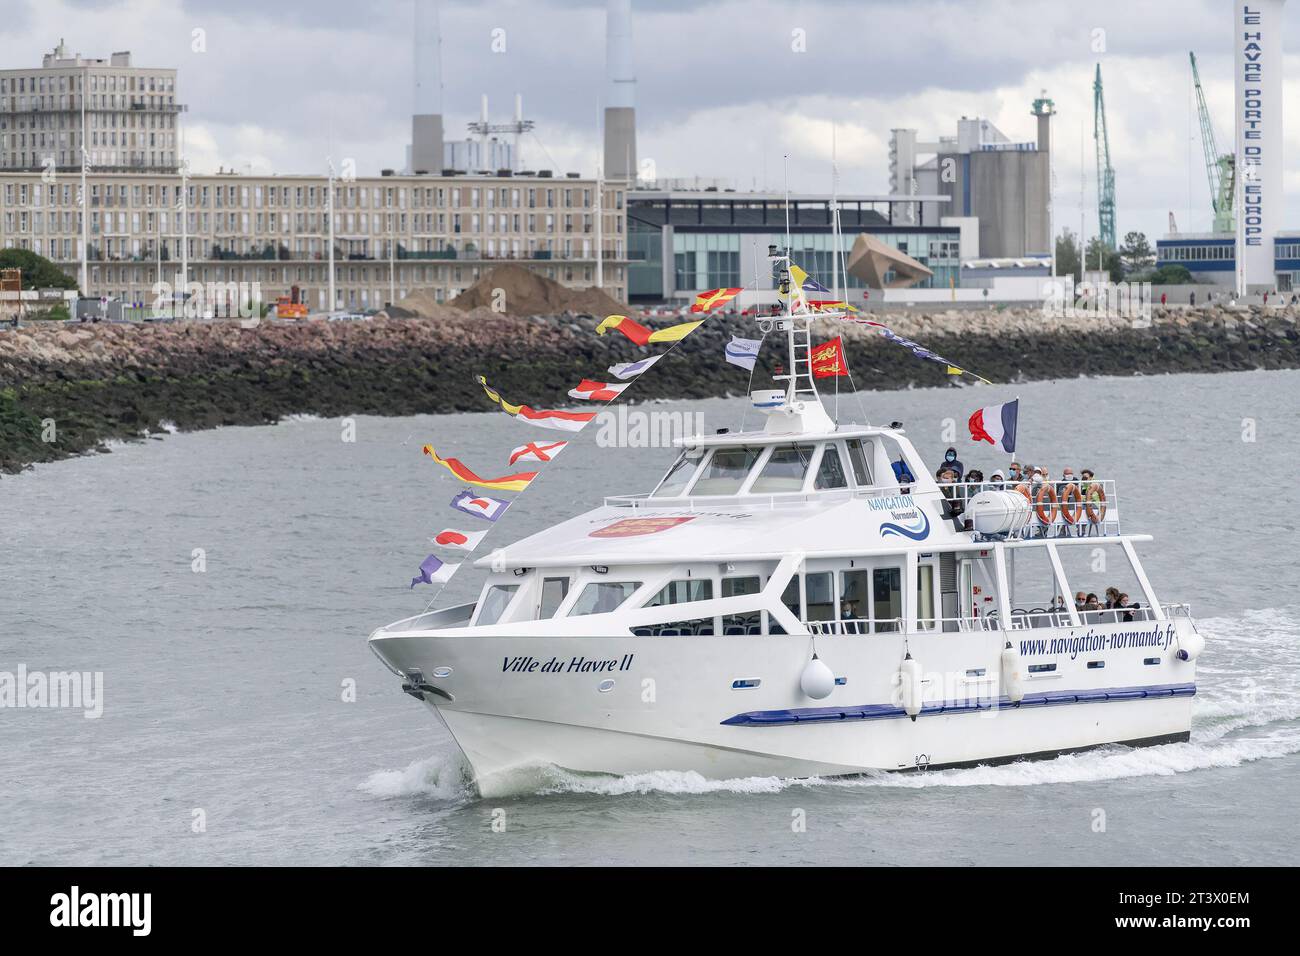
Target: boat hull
629, 705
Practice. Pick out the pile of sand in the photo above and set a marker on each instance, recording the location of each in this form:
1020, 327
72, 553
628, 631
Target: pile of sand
529, 293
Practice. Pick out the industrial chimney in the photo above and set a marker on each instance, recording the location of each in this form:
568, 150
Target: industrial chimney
620, 97
426, 115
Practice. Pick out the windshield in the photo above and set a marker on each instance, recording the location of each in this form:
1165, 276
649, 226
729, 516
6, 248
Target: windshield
601, 597
680, 474
495, 603
785, 470
726, 471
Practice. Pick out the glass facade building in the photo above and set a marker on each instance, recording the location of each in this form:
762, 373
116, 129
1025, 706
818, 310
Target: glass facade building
1212, 257
682, 243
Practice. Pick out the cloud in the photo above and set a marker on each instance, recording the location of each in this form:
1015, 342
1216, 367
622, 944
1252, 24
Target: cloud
722, 92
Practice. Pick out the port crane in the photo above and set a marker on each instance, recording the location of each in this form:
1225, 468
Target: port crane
1221, 168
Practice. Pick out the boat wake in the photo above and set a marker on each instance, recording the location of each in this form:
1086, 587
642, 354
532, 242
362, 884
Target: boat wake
442, 776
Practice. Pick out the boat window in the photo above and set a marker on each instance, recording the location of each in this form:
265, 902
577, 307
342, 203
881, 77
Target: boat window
830, 474
785, 470
855, 606
860, 456
680, 474
702, 625
726, 471
750, 622
601, 597
790, 598
683, 592
887, 598
819, 595
554, 591
925, 597
496, 601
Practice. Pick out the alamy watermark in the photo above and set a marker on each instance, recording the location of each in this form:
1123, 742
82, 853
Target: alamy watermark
639, 428
49, 689
1099, 300
208, 300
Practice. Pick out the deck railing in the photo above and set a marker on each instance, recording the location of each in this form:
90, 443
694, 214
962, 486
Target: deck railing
1058, 509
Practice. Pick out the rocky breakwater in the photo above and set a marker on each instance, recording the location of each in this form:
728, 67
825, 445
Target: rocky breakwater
65, 389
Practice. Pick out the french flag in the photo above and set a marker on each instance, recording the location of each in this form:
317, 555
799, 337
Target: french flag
996, 425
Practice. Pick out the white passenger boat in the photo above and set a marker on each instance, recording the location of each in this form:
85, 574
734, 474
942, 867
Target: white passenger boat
781, 604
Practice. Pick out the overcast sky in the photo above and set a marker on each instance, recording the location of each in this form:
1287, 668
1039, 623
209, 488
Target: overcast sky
720, 93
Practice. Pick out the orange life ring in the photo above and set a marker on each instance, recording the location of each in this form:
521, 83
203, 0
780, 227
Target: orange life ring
1096, 503
1046, 492
1070, 493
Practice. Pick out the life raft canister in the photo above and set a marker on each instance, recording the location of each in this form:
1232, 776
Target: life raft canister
1071, 493
1046, 493
1096, 502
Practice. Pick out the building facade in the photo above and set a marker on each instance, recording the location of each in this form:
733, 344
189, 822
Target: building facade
684, 242
393, 234
130, 115
1212, 258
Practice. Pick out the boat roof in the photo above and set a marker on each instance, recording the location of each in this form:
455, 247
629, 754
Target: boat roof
756, 437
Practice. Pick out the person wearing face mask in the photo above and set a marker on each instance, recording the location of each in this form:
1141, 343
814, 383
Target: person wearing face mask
1014, 474
951, 463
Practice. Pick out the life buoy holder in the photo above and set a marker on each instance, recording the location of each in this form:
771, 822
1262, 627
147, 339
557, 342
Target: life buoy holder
1071, 493
1096, 503
1046, 493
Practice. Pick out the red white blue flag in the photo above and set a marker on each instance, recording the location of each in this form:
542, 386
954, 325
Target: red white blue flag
996, 425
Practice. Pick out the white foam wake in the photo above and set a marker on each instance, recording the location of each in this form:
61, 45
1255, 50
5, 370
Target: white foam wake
444, 776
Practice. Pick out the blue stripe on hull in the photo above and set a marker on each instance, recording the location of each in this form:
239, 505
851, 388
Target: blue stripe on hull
808, 715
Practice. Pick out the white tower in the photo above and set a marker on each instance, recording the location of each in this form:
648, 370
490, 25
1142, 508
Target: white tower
426, 113
620, 95
1257, 106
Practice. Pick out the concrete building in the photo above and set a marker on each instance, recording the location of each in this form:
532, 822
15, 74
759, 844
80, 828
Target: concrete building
683, 242
130, 115
441, 232
425, 154
1006, 185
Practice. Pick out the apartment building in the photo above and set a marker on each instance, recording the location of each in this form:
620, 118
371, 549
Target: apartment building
130, 115
393, 234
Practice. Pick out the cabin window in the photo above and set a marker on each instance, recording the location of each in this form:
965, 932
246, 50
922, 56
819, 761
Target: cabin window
785, 469
702, 625
601, 597
830, 473
790, 598
680, 474
726, 471
496, 601
554, 591
925, 597
683, 592
854, 601
859, 456
749, 622
819, 595
887, 598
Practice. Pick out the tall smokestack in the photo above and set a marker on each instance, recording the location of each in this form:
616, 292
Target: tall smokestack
620, 96
426, 115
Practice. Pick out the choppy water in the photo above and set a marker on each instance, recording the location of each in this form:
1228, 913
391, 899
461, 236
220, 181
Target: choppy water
223, 689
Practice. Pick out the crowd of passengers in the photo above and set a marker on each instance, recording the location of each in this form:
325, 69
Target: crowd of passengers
1116, 601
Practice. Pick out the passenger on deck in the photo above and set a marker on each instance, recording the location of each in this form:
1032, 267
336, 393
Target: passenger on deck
996, 481
1091, 603
1112, 598
1014, 474
849, 613
1058, 605
1080, 599
1128, 608
950, 461
974, 482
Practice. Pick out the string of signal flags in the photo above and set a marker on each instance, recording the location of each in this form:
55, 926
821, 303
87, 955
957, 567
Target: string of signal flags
828, 360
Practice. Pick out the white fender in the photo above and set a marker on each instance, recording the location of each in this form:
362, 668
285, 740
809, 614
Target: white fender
909, 678
1012, 683
1190, 646
817, 680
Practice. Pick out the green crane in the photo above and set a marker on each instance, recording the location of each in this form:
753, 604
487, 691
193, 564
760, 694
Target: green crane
1220, 167
1105, 173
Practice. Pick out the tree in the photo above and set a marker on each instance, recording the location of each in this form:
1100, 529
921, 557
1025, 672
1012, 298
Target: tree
1136, 251
38, 272
1103, 257
1171, 274
1067, 254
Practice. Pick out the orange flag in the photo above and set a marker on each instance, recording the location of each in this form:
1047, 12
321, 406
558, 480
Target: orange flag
707, 301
